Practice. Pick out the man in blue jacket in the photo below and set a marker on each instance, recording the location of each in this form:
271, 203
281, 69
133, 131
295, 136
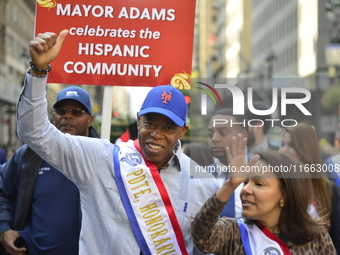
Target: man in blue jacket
39, 206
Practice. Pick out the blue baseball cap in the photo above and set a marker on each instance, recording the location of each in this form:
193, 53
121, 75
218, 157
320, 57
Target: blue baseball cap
74, 93
166, 100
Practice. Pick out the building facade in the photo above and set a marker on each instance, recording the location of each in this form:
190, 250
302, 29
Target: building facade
264, 44
16, 29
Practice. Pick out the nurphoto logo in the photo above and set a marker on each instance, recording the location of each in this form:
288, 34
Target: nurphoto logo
239, 102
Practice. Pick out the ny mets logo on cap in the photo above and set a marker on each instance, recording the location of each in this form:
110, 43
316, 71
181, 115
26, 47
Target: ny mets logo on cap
166, 97
176, 110
72, 94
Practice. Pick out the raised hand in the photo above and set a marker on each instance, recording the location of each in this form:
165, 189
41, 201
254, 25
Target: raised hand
45, 47
236, 158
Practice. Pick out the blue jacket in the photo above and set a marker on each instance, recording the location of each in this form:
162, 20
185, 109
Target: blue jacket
17, 181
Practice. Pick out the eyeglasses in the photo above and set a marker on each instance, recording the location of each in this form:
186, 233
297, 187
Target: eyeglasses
74, 112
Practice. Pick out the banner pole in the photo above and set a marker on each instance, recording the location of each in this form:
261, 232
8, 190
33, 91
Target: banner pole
106, 113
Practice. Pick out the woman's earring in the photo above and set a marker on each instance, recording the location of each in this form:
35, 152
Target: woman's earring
281, 203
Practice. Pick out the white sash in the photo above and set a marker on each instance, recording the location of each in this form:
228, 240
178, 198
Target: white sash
146, 202
258, 241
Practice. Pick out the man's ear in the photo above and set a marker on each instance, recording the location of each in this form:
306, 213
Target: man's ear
184, 130
90, 120
138, 121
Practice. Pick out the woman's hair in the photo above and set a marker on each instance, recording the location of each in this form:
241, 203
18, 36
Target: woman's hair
295, 222
306, 144
199, 153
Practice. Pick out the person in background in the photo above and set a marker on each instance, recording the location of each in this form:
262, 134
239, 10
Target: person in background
334, 161
199, 153
138, 196
257, 137
274, 207
39, 206
129, 134
221, 128
302, 143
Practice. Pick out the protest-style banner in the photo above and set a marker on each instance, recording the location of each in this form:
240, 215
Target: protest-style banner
121, 43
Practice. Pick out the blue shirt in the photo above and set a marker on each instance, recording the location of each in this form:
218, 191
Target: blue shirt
54, 226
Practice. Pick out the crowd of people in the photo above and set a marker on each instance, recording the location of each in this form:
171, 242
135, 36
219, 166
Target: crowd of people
68, 192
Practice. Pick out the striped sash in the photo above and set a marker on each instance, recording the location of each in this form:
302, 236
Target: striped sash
260, 241
146, 202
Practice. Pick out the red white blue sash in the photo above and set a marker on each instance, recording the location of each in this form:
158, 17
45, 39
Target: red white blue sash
259, 240
146, 202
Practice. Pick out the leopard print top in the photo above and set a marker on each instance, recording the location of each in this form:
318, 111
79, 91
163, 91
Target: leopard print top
222, 236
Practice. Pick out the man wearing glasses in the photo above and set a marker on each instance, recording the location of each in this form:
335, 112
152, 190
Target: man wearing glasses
39, 206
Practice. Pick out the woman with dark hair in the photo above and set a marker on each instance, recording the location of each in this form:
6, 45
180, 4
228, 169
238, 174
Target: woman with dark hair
302, 143
275, 199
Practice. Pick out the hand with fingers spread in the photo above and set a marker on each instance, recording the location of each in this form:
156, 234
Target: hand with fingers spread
236, 158
45, 47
